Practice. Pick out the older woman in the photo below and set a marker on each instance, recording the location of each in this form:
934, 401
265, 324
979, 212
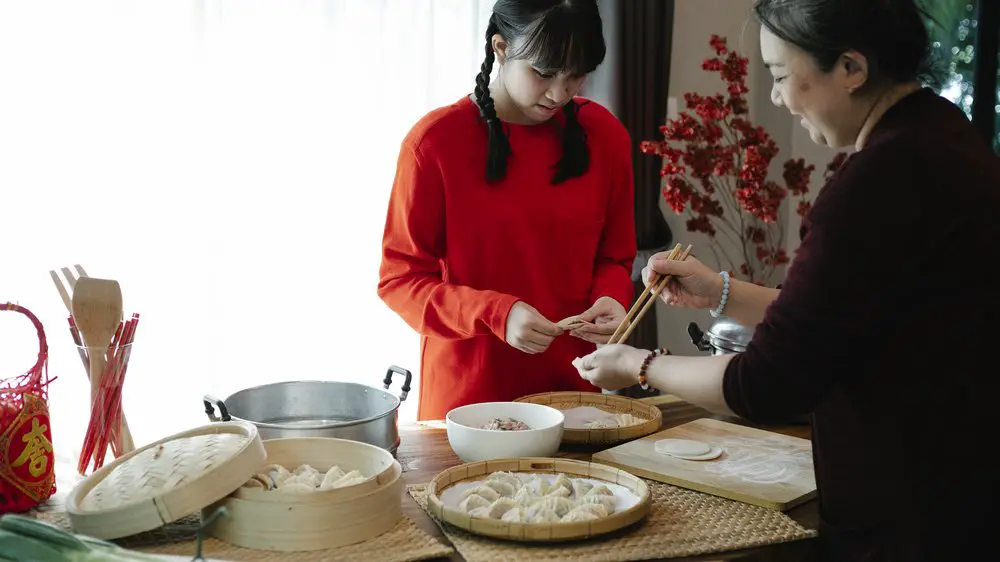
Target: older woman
880, 325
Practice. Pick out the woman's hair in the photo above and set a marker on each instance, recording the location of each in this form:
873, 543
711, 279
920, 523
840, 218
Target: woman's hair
891, 34
558, 35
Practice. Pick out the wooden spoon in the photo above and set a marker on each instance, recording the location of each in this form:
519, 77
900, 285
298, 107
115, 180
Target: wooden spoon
97, 311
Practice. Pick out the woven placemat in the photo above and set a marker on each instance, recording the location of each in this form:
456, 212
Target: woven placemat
681, 523
403, 543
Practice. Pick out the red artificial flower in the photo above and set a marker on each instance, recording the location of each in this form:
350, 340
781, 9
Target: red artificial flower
716, 161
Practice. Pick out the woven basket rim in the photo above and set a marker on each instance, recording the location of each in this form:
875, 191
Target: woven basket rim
653, 416
617, 520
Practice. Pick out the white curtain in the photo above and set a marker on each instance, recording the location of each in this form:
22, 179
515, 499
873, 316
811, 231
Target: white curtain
229, 162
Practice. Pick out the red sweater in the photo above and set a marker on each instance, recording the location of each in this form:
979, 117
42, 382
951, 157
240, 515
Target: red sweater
457, 253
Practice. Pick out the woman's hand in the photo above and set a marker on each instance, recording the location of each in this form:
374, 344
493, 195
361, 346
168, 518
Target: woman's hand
529, 331
612, 367
692, 283
603, 317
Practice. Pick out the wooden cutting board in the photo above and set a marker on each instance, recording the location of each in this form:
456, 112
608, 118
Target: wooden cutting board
757, 467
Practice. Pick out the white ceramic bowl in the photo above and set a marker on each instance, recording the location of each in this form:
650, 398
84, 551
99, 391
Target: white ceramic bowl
471, 443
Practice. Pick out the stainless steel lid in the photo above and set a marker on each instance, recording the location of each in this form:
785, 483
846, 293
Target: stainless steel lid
727, 334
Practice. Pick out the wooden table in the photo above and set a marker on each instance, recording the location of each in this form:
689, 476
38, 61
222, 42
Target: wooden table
424, 452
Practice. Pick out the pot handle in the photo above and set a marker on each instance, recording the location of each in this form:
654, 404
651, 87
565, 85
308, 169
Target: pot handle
698, 337
211, 403
406, 382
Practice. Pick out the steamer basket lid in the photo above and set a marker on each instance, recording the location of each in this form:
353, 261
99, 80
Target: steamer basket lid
165, 481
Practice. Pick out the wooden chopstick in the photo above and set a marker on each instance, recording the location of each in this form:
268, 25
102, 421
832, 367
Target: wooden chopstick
638, 303
652, 292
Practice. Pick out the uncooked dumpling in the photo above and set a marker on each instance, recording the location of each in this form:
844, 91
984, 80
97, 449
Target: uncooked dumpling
577, 516
525, 497
541, 514
485, 491
506, 477
500, 507
607, 501
600, 489
332, 475
480, 512
505, 489
581, 487
297, 488
472, 502
516, 515
595, 509
350, 479
563, 481
560, 505
538, 485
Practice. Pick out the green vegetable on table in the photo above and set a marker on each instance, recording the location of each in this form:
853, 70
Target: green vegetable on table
26, 539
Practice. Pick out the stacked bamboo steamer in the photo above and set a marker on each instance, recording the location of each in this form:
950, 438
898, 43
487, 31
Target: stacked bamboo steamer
205, 468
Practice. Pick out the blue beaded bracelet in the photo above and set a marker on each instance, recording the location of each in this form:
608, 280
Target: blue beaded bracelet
717, 311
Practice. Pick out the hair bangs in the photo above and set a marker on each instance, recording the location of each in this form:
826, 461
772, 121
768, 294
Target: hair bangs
565, 40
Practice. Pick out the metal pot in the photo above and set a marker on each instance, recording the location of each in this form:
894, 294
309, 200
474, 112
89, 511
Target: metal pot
724, 336
343, 410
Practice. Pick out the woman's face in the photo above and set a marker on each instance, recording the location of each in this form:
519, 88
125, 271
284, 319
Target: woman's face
823, 100
536, 93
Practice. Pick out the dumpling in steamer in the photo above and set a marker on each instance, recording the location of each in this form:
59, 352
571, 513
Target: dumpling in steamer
608, 502
350, 479
485, 491
559, 492
306, 479
472, 502
297, 488
331, 476
277, 473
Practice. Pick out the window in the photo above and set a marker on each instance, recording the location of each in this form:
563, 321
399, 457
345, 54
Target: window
229, 162
965, 39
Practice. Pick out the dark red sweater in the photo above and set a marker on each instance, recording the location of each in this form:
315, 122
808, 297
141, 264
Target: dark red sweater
458, 253
884, 331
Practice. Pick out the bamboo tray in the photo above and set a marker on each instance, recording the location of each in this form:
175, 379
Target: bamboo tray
166, 480
537, 532
269, 520
610, 403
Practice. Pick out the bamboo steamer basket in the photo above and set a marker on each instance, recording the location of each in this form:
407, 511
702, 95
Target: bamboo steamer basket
166, 480
538, 532
610, 403
272, 520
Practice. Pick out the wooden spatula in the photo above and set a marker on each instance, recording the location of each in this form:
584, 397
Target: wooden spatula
97, 311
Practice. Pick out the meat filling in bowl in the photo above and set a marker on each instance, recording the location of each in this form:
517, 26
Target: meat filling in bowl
505, 424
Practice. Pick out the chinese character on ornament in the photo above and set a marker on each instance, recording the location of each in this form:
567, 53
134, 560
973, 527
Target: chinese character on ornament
35, 449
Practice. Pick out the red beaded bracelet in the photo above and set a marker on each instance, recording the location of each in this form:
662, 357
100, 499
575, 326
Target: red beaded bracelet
645, 365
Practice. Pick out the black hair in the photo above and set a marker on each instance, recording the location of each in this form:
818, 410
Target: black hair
558, 35
891, 34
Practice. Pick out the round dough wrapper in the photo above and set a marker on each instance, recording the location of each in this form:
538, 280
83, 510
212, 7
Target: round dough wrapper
715, 453
685, 447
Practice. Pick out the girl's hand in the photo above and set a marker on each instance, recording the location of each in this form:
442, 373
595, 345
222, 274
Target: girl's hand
529, 331
603, 319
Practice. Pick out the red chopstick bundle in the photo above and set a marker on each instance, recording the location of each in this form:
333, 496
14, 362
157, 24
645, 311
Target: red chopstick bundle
104, 429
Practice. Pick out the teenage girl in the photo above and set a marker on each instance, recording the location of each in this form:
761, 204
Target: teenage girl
511, 209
